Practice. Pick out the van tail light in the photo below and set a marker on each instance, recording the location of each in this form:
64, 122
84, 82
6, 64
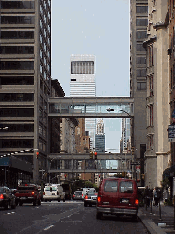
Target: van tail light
136, 202
1, 196
43, 193
73, 195
98, 199
86, 197
82, 194
33, 193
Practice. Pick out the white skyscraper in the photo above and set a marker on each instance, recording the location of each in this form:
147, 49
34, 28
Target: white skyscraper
82, 84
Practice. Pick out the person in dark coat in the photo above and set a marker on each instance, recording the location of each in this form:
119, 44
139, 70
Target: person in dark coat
147, 196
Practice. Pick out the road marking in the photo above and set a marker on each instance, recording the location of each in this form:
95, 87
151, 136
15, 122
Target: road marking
77, 221
45, 229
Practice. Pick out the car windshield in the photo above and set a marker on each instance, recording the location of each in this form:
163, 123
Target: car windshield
1, 190
111, 186
47, 188
78, 193
54, 188
26, 188
91, 193
126, 187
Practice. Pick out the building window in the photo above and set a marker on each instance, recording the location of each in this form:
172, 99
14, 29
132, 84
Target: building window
150, 115
141, 60
150, 142
150, 56
141, 9
17, 19
141, 22
17, 35
141, 85
140, 47
141, 72
151, 85
17, 50
18, 5
16, 65
141, 34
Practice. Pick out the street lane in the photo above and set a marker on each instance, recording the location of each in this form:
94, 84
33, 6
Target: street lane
69, 217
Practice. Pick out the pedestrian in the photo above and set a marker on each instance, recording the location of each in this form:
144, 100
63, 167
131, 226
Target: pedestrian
155, 195
147, 196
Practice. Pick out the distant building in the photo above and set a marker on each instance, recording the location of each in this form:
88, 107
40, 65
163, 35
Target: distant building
82, 84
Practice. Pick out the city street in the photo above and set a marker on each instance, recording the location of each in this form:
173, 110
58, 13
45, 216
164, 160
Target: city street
69, 217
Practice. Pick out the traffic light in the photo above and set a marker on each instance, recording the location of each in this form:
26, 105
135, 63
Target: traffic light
132, 149
37, 154
91, 155
95, 155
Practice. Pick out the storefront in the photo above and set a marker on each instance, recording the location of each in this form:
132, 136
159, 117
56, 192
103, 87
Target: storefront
14, 170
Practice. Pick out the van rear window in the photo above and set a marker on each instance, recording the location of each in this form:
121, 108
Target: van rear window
111, 186
126, 187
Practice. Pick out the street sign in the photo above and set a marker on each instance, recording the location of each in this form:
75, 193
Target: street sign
171, 133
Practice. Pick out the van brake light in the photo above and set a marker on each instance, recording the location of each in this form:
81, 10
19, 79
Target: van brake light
1, 196
136, 202
43, 193
33, 193
98, 199
86, 197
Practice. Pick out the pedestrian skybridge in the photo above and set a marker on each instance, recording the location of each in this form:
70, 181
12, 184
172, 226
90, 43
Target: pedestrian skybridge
91, 107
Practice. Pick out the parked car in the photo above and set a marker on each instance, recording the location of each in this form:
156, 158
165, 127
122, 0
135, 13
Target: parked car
7, 198
90, 198
77, 195
60, 191
51, 193
117, 196
28, 193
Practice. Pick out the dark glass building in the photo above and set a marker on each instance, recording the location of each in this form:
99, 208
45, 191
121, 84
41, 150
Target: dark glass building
25, 85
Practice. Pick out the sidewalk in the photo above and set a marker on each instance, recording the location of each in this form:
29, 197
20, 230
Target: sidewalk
155, 223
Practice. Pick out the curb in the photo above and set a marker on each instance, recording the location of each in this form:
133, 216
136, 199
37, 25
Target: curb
150, 225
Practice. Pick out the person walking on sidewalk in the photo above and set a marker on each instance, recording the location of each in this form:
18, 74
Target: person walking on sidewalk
155, 195
147, 196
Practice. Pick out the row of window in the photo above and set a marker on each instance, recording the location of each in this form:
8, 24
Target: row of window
16, 97
141, 85
141, 60
18, 5
141, 34
17, 112
16, 65
17, 19
28, 143
17, 35
141, 22
141, 72
16, 49
17, 80
141, 9
19, 128
139, 47
85, 67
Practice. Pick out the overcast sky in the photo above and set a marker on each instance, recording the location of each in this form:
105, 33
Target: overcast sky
100, 28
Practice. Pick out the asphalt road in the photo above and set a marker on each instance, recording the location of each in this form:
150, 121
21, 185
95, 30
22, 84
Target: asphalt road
63, 218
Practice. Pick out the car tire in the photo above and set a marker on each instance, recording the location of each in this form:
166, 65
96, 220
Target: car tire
20, 203
13, 206
135, 218
6, 206
39, 202
58, 200
64, 200
85, 204
99, 215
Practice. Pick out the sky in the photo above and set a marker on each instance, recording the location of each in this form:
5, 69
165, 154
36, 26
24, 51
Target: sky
100, 28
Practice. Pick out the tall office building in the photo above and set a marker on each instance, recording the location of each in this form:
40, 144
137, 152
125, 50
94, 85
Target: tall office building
138, 33
82, 84
25, 79
100, 141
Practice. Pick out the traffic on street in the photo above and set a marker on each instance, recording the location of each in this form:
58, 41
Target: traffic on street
63, 217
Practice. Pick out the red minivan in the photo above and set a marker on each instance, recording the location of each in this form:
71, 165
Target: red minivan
117, 196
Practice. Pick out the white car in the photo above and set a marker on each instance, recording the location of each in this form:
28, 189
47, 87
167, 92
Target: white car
51, 193
60, 191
